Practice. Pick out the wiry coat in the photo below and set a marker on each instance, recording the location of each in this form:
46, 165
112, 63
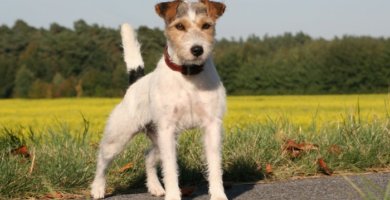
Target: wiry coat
164, 103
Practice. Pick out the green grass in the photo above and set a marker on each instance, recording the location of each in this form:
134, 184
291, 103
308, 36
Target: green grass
65, 161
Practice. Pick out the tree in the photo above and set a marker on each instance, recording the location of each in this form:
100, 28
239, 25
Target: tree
23, 81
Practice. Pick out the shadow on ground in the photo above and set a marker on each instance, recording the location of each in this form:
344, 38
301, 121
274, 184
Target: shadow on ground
195, 178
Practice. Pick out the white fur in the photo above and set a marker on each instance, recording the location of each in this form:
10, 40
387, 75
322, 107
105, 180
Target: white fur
192, 14
172, 102
131, 47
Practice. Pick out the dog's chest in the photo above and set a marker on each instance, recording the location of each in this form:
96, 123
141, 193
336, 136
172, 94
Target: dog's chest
188, 107
195, 108
186, 102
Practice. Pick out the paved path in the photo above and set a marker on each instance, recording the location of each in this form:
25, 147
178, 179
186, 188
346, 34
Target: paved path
329, 188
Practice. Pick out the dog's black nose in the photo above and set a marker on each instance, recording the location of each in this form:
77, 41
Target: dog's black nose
197, 50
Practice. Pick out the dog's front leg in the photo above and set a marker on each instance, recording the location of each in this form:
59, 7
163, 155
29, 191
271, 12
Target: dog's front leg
167, 146
212, 142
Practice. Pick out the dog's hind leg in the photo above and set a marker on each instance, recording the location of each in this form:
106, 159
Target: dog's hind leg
119, 130
152, 159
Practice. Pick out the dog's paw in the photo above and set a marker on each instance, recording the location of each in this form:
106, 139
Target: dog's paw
172, 198
156, 190
98, 189
97, 193
219, 197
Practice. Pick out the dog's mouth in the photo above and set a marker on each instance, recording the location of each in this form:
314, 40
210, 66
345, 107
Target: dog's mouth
195, 61
192, 60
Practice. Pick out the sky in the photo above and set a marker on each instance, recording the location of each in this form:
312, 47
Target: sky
318, 18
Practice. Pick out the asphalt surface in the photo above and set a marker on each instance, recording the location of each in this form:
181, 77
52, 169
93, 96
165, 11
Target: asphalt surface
329, 188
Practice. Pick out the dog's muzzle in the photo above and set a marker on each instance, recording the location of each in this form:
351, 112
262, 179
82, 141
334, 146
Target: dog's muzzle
187, 70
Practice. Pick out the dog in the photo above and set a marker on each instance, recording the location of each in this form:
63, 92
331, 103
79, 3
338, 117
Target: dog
183, 92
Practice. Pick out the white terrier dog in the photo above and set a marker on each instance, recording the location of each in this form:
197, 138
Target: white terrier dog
183, 92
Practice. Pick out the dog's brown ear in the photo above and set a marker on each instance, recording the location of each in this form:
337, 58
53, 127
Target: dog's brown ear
167, 10
214, 9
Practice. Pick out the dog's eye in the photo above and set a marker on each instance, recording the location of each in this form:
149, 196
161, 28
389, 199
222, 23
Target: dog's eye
206, 26
180, 27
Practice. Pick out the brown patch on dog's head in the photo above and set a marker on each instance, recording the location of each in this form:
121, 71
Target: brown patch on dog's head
171, 9
214, 9
168, 10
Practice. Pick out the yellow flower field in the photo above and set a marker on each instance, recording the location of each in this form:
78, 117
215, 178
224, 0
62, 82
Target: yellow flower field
304, 110
243, 110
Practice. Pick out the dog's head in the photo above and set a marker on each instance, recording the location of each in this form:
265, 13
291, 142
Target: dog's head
190, 28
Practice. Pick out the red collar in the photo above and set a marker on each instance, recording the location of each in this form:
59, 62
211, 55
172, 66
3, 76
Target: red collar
187, 70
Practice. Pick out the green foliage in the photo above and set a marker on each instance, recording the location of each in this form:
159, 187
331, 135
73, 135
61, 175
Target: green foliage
23, 81
87, 61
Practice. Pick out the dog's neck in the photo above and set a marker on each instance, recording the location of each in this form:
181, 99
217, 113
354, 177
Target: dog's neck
187, 70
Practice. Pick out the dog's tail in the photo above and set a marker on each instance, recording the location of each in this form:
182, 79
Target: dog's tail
132, 53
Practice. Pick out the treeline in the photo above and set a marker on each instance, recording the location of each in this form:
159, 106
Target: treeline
87, 61
299, 64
